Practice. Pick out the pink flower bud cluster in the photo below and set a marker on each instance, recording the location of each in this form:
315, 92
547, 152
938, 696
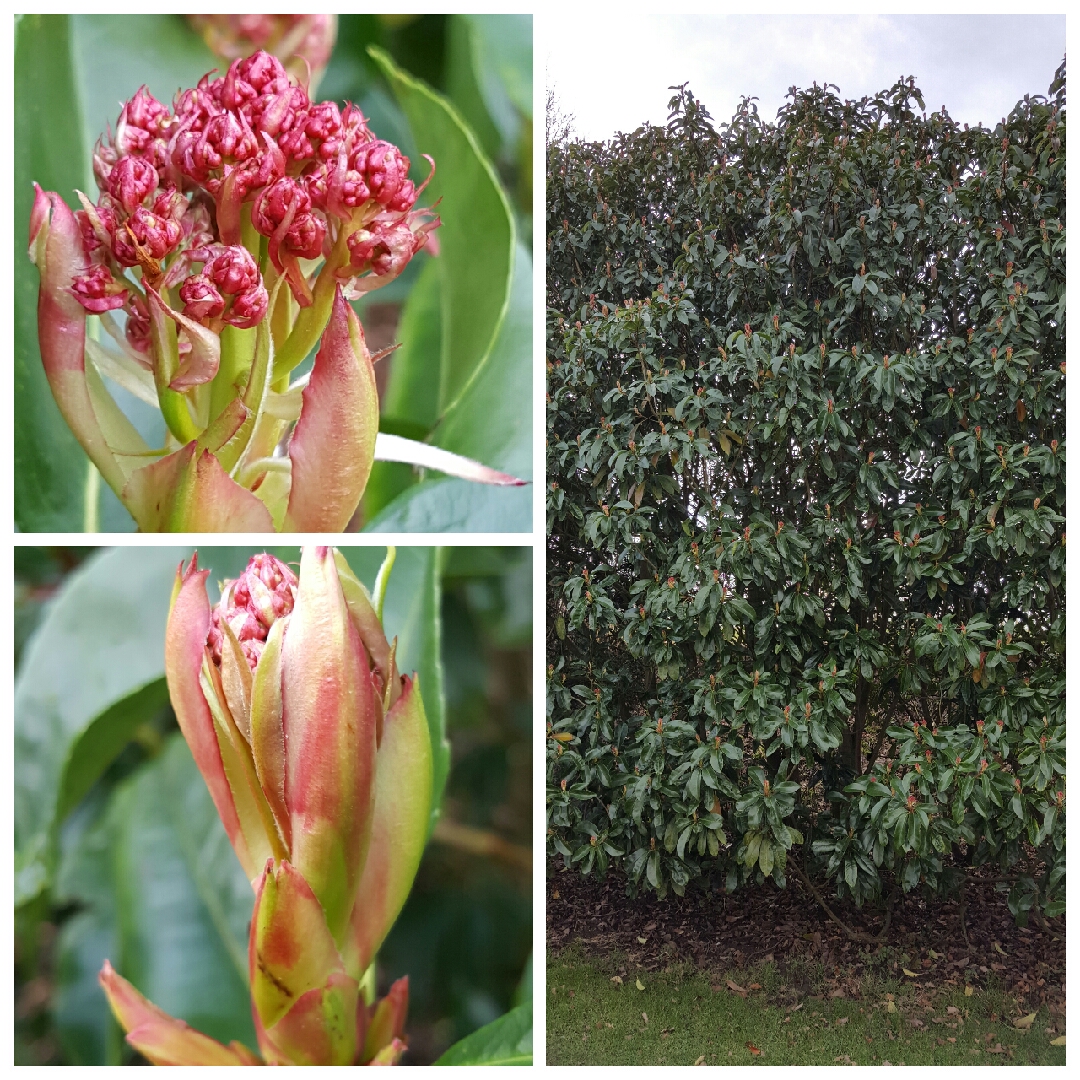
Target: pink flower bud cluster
174, 186
230, 288
262, 594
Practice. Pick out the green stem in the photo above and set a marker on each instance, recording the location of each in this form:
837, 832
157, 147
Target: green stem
307, 329
174, 409
237, 355
166, 361
91, 492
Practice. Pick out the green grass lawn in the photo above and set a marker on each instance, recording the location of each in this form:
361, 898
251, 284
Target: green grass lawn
597, 1014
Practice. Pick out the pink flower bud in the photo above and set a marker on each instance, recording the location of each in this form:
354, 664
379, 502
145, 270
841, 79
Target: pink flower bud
104, 157
233, 270
99, 291
249, 308
137, 330
143, 129
201, 299
302, 42
323, 124
386, 171
262, 594
144, 113
280, 205
131, 181
381, 250
171, 204
96, 226
156, 234
227, 137
261, 72
282, 212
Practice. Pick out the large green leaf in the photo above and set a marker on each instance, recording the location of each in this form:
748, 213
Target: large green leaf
506, 1041
165, 900
476, 240
462, 86
91, 674
50, 468
88, 938
412, 394
457, 506
492, 423
502, 63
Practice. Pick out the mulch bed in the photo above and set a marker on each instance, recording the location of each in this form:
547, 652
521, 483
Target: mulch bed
720, 932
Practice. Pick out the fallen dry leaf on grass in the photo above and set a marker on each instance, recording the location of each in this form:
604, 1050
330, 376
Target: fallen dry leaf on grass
617, 980
639, 984
753, 1049
1059, 1041
1025, 1022
736, 988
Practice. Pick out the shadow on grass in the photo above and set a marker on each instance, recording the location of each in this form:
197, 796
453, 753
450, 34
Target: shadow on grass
603, 1010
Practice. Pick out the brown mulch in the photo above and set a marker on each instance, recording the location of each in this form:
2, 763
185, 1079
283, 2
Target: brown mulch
722, 932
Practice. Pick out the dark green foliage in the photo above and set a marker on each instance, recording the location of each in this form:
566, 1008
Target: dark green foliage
806, 503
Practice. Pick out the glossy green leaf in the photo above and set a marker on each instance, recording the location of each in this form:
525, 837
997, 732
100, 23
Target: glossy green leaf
455, 506
462, 86
506, 1041
412, 393
502, 61
476, 240
50, 467
491, 423
165, 900
87, 939
90, 675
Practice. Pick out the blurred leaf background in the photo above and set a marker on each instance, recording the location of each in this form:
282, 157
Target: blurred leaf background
457, 87
119, 852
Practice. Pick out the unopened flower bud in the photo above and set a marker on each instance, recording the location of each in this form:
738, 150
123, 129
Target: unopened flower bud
201, 298
386, 171
98, 291
131, 181
233, 270
317, 756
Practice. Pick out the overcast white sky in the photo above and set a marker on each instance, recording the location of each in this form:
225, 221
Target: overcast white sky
612, 73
